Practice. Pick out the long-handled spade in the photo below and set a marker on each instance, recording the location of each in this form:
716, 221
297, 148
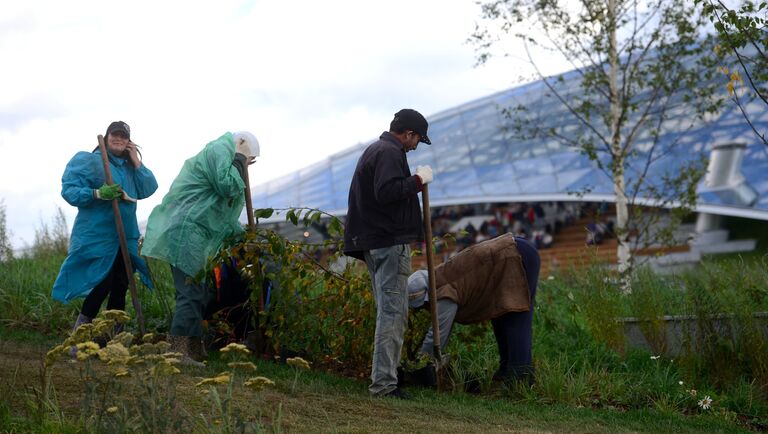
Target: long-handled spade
437, 352
123, 243
251, 226
251, 222
248, 200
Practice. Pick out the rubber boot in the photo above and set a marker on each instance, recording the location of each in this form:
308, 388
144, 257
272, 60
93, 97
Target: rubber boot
81, 319
182, 344
197, 349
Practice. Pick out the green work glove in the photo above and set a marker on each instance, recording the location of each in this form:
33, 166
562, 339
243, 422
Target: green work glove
109, 192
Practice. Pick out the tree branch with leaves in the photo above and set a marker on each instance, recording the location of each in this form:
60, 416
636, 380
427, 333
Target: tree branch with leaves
640, 80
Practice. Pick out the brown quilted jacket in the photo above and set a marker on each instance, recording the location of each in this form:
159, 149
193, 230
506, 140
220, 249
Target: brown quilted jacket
486, 280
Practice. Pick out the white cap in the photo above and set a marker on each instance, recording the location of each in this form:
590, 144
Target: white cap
246, 144
418, 283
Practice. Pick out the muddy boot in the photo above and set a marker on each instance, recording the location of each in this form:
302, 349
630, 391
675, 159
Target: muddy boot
524, 374
81, 319
182, 344
197, 349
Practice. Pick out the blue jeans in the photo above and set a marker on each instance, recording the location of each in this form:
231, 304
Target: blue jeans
389, 268
191, 300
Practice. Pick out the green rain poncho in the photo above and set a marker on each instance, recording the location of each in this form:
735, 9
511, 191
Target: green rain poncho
201, 209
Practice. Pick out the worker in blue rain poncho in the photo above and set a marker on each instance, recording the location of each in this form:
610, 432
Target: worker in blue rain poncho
94, 266
202, 209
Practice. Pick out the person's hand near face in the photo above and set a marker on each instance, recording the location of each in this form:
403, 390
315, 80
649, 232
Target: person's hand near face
119, 144
132, 150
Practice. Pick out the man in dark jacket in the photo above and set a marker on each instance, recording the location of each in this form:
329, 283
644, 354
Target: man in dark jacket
383, 217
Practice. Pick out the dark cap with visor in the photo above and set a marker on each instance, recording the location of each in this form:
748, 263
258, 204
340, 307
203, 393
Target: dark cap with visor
409, 119
119, 126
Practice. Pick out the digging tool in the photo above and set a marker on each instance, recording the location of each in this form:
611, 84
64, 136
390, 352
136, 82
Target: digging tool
252, 226
438, 355
251, 223
123, 242
248, 200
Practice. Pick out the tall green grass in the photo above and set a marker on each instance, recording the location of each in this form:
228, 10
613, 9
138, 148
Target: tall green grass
580, 353
25, 294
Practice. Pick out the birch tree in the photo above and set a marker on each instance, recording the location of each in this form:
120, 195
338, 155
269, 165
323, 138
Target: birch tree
637, 65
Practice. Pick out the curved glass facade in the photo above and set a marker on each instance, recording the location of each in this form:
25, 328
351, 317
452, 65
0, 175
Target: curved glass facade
476, 159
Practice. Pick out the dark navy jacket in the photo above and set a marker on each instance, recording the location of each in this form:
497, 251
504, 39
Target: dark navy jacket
383, 207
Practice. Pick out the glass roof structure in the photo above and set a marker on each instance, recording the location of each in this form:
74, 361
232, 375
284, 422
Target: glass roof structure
477, 159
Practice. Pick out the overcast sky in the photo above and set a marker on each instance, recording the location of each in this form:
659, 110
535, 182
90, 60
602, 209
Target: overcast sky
308, 78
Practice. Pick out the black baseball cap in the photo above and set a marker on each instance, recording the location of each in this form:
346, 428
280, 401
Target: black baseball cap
410, 119
119, 126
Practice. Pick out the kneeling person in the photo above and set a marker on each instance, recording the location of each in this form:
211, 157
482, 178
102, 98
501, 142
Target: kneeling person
494, 280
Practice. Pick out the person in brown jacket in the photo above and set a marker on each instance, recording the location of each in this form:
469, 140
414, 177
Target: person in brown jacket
494, 280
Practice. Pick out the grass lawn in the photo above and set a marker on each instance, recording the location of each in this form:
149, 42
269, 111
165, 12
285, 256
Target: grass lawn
323, 402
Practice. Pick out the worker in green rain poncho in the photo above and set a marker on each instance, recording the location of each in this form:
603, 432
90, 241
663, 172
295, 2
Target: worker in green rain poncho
202, 208
94, 266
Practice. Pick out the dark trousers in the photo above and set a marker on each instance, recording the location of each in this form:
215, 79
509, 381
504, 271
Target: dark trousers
514, 331
115, 285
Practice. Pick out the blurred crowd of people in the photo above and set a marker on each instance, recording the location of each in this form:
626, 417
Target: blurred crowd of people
537, 222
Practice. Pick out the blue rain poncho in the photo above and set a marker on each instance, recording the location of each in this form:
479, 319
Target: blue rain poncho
202, 208
94, 242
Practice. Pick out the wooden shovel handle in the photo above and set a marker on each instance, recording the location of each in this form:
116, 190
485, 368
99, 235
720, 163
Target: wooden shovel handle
123, 242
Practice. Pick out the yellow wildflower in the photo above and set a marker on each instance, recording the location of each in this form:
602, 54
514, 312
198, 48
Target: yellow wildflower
50, 356
135, 360
112, 409
248, 366
258, 383
148, 348
298, 362
116, 315
81, 333
234, 347
164, 369
124, 338
222, 378
90, 347
154, 357
82, 356
171, 360
113, 353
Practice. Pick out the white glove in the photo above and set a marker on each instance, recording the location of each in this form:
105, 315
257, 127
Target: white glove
425, 173
246, 144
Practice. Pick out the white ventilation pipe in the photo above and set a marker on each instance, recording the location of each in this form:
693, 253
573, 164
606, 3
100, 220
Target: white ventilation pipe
724, 176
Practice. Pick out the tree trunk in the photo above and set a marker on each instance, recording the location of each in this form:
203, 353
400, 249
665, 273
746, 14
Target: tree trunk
622, 217
617, 169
